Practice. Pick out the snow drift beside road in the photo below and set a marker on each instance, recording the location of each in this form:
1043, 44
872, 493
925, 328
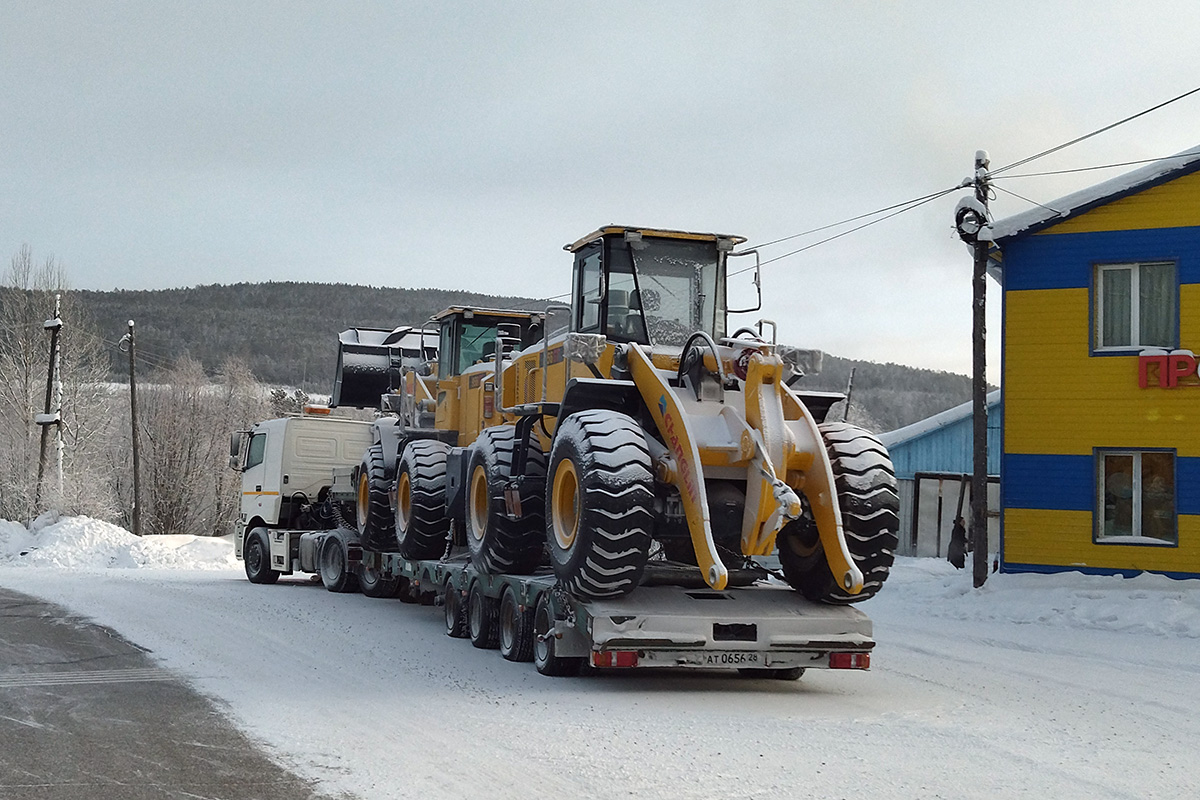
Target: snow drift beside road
1146, 604
86, 543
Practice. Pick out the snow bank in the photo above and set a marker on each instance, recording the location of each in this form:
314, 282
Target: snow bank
86, 543
1148, 603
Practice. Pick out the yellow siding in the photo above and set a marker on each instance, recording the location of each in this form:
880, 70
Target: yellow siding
1059, 399
1172, 205
1064, 538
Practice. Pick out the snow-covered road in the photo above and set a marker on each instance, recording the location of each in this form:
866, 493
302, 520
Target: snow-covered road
1037, 686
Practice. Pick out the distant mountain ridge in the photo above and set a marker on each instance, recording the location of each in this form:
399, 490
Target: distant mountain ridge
287, 333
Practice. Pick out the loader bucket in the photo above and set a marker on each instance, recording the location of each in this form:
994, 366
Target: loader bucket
370, 359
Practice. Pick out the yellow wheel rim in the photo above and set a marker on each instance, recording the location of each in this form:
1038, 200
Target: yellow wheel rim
364, 501
404, 499
565, 504
479, 502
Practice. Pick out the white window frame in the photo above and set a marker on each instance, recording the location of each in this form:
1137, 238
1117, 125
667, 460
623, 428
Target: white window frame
1135, 307
1137, 492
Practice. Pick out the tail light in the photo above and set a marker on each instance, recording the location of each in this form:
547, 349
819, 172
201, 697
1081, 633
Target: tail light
615, 658
849, 660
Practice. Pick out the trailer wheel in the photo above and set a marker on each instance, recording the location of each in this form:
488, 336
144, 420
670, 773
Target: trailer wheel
456, 617
258, 558
866, 489
373, 584
545, 660
498, 543
516, 628
600, 491
376, 523
482, 619
421, 519
332, 566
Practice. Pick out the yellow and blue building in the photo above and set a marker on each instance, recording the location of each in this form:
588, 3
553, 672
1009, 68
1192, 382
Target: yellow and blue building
1100, 465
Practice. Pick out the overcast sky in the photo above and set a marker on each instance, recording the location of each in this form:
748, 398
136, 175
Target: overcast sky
461, 145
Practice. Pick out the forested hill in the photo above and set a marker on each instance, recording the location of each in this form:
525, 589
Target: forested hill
287, 333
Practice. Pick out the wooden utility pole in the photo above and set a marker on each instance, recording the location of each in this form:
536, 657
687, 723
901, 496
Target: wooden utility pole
979, 479
52, 411
970, 218
849, 392
133, 423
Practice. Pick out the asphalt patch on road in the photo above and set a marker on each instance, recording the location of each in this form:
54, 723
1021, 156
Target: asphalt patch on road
86, 714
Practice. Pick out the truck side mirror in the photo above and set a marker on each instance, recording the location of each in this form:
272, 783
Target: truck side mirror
235, 449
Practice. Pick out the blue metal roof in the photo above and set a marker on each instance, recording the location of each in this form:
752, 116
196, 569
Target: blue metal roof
944, 442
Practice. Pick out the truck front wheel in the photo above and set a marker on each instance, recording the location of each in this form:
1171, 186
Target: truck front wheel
257, 556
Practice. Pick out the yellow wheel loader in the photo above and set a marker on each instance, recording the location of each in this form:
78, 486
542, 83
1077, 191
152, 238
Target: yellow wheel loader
638, 440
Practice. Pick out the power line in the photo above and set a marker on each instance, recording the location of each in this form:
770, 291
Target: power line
1022, 197
860, 216
902, 207
1096, 132
1190, 154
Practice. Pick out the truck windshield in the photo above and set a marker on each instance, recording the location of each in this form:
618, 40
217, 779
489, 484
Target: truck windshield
679, 286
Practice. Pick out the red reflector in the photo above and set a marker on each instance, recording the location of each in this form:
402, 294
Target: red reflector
615, 658
849, 660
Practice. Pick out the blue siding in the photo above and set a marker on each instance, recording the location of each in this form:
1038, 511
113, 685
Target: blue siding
1064, 261
1187, 485
948, 449
1068, 483
1065, 483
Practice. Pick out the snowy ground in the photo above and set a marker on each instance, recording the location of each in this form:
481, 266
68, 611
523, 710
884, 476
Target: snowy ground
1037, 686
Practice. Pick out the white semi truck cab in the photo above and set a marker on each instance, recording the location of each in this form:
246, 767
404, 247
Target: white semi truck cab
296, 478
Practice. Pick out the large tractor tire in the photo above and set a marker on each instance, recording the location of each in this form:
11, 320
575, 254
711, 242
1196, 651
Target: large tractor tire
866, 490
376, 523
600, 491
257, 555
421, 520
499, 544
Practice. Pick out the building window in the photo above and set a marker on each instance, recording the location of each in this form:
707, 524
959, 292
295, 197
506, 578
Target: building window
1136, 497
1135, 305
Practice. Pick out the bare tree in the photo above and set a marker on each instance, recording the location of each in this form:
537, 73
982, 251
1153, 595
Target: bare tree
185, 421
27, 293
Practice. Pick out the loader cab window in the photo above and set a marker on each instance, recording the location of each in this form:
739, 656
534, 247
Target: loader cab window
477, 342
447, 340
680, 287
465, 342
589, 289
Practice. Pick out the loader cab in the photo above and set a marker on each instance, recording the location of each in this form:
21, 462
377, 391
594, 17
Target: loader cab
653, 287
467, 336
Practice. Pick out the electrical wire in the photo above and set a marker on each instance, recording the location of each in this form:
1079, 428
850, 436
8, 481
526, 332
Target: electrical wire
902, 207
1190, 154
857, 218
1022, 197
1096, 132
